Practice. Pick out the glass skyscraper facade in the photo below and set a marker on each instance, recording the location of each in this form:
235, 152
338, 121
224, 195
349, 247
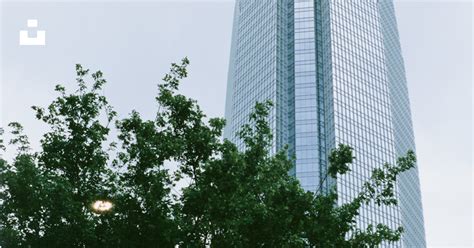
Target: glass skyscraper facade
334, 71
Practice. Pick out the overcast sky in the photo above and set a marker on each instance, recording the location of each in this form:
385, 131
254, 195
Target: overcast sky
134, 43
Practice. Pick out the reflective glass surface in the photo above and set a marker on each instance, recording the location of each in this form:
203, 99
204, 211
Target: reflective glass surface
335, 73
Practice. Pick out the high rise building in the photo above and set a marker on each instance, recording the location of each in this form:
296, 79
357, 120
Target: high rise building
335, 73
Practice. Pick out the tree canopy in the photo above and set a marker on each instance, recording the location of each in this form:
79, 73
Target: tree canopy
235, 197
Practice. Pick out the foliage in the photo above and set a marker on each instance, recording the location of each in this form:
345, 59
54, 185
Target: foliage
244, 199
335, 225
236, 197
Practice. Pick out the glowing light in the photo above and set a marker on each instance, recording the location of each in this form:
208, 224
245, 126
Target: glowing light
102, 205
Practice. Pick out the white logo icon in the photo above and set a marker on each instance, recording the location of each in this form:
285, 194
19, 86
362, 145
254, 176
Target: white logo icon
39, 40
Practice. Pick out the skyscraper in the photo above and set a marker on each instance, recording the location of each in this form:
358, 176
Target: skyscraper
335, 73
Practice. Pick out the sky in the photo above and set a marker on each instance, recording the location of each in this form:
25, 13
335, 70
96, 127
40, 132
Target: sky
133, 43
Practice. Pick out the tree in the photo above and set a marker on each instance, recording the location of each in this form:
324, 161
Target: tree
247, 199
47, 195
244, 199
235, 198
330, 225
20, 183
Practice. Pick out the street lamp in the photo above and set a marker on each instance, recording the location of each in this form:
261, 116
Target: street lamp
102, 206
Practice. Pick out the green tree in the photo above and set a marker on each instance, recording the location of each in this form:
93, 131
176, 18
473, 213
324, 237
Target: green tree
333, 225
244, 199
20, 196
46, 196
235, 198
247, 199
